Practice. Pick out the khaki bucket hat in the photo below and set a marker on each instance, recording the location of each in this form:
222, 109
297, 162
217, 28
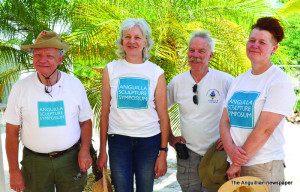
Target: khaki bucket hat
212, 168
244, 184
47, 39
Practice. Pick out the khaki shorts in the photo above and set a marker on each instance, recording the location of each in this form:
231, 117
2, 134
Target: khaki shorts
270, 171
188, 176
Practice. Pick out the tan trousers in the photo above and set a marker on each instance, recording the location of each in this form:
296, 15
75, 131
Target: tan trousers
270, 171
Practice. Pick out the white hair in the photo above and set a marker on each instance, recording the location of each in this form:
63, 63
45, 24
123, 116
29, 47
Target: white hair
61, 52
145, 28
206, 35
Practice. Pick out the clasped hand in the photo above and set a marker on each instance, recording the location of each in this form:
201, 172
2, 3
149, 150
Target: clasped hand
239, 158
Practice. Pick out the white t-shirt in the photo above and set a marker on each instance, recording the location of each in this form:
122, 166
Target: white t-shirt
248, 96
200, 123
48, 123
132, 107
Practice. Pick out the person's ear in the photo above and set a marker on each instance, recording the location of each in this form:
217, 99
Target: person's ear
211, 55
61, 58
275, 47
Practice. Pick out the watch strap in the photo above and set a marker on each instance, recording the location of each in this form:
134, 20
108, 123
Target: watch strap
163, 149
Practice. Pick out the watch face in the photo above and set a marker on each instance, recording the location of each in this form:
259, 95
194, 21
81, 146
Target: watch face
164, 149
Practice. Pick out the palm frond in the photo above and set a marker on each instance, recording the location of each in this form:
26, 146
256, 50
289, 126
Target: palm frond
293, 6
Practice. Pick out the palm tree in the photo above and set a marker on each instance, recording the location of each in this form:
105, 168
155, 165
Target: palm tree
21, 22
91, 27
95, 28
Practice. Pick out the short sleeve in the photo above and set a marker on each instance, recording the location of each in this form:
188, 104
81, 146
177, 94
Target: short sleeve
171, 94
12, 113
85, 110
230, 84
228, 95
230, 79
280, 98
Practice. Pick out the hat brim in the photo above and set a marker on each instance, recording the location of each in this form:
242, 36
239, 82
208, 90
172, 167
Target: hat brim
212, 168
254, 183
46, 44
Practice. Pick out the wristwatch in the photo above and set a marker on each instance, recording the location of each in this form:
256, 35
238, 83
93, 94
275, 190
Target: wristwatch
163, 149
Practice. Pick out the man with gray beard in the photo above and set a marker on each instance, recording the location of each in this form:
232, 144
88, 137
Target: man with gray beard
200, 93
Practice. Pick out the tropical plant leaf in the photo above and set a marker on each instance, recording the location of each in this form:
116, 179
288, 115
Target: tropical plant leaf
293, 6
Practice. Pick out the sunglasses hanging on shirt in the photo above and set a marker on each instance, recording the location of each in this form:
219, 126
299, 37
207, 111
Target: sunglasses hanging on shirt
195, 97
48, 90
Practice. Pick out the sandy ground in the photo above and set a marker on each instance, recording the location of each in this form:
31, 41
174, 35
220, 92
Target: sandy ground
168, 183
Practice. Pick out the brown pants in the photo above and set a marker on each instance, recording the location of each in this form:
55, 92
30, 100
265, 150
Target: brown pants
270, 171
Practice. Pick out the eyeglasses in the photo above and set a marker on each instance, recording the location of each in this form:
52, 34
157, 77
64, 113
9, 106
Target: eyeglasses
195, 97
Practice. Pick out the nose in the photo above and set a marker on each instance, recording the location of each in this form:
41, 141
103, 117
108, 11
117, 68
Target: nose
43, 59
131, 40
196, 54
255, 44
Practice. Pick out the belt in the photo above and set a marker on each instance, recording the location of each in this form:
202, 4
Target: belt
53, 154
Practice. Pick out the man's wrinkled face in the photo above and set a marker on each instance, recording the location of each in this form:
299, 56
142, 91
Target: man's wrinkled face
199, 53
46, 60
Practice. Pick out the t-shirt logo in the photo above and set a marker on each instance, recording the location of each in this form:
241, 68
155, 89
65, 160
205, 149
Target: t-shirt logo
213, 95
241, 109
51, 114
133, 93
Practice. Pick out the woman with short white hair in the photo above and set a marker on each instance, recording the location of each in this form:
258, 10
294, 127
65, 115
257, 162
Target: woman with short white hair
134, 113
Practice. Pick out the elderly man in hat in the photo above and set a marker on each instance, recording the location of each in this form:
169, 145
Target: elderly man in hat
51, 110
200, 93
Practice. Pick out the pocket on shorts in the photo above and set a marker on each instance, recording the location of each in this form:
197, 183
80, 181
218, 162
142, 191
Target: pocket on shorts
27, 161
182, 176
268, 166
26, 170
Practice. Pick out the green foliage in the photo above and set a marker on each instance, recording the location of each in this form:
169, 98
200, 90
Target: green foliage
95, 29
283, 1
296, 78
21, 21
297, 106
290, 7
96, 24
291, 40
91, 27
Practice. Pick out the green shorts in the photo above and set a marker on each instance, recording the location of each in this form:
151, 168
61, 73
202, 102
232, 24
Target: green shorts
44, 174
